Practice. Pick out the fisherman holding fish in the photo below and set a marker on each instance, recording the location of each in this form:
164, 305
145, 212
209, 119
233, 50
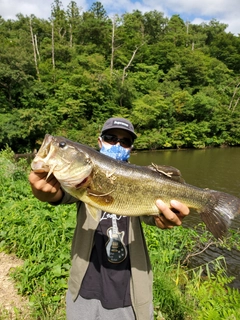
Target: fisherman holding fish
111, 276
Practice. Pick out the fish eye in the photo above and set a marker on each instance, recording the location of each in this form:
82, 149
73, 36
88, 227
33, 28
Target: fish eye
62, 144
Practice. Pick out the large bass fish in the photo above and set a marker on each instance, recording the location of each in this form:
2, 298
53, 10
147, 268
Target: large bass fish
121, 188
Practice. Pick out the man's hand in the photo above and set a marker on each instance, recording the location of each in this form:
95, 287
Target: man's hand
168, 218
43, 188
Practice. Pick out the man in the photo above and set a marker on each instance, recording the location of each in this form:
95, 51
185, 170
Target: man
111, 276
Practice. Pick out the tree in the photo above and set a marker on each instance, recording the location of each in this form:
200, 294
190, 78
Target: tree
213, 29
150, 111
176, 31
73, 14
226, 48
154, 25
59, 19
94, 33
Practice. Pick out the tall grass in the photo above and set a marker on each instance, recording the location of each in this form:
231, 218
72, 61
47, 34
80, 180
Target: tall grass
41, 235
182, 293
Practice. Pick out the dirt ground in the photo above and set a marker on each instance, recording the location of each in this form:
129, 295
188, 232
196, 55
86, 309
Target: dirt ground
10, 301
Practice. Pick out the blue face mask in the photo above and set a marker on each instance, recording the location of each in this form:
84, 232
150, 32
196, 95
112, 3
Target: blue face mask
116, 151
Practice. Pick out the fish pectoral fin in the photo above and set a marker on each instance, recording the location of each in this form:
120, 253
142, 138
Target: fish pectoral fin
94, 212
103, 199
168, 171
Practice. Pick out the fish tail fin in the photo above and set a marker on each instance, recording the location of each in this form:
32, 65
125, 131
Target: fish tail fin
219, 212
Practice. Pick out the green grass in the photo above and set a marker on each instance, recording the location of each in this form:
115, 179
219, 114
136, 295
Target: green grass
41, 235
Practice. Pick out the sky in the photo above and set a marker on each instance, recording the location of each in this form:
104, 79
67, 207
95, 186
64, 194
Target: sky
193, 11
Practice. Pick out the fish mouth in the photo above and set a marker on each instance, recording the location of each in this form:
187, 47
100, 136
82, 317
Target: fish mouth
39, 163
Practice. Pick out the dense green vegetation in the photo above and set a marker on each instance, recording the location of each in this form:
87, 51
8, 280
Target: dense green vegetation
41, 235
178, 82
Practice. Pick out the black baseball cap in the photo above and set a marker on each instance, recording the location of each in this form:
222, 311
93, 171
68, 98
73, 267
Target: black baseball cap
119, 123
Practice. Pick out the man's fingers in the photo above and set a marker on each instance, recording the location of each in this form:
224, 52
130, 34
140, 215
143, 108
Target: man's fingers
41, 182
170, 217
181, 208
166, 211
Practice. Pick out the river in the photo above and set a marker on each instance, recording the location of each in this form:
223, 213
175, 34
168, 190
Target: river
215, 168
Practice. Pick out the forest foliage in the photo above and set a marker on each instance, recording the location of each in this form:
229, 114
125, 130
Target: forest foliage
179, 83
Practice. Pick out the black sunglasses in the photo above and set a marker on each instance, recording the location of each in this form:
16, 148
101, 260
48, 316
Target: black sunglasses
112, 139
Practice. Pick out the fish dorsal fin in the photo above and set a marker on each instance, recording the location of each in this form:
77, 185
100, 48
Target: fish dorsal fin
168, 171
94, 212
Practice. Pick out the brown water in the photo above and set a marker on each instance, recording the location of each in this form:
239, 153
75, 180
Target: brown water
218, 169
